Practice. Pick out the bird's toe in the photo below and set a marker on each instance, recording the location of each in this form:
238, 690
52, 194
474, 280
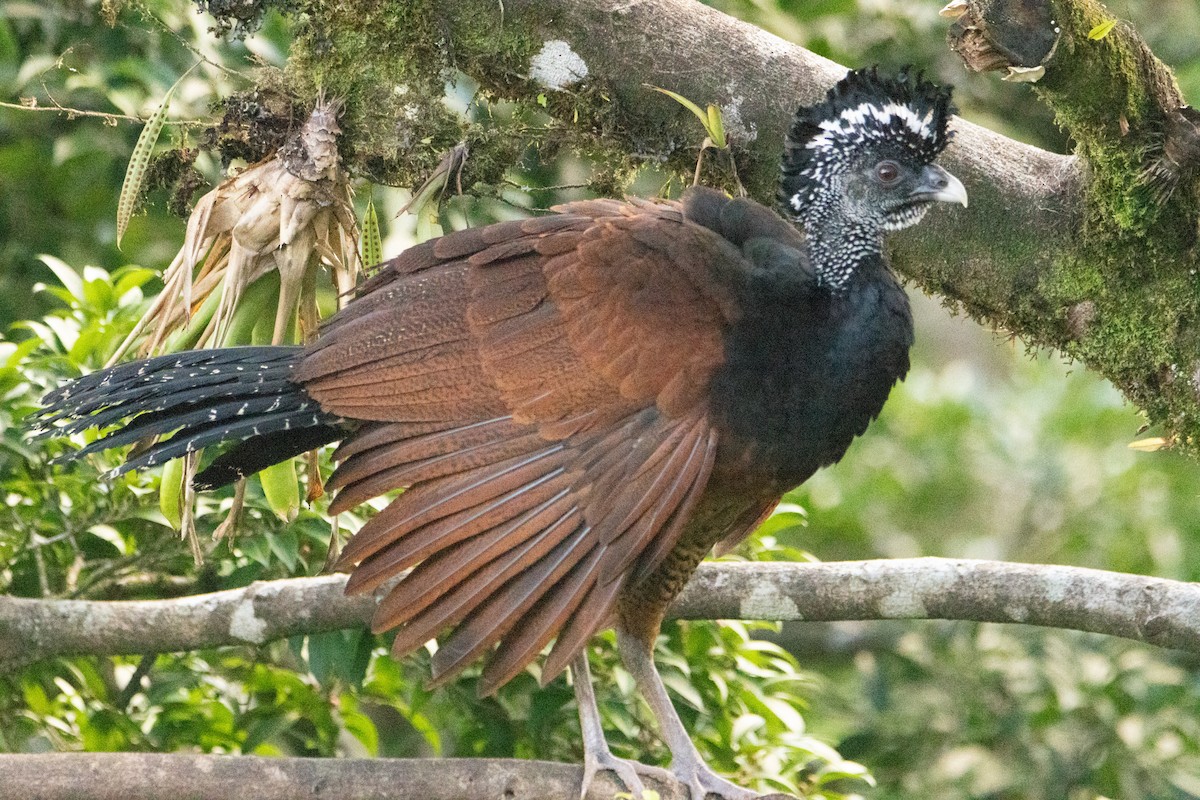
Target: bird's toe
630, 773
702, 782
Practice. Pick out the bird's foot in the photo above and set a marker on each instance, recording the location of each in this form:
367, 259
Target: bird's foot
628, 772
702, 781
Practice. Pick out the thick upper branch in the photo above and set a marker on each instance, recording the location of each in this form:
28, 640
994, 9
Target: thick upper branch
1074, 252
1025, 202
1153, 610
1124, 299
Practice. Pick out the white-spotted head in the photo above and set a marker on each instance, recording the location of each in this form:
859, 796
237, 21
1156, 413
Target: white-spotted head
867, 151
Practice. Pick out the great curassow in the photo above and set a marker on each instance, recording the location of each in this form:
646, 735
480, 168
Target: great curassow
579, 405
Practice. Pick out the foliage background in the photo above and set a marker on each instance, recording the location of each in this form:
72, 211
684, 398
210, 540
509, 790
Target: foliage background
986, 451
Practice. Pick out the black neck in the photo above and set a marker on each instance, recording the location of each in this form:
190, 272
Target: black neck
810, 362
840, 247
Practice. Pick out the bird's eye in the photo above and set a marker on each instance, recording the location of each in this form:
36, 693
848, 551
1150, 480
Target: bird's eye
887, 172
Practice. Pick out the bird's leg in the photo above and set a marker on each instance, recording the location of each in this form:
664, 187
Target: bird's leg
686, 763
596, 755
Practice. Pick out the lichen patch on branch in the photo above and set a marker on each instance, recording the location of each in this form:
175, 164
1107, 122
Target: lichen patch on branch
902, 604
557, 66
246, 625
737, 128
766, 601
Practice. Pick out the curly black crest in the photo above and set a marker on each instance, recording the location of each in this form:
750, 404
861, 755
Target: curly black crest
865, 113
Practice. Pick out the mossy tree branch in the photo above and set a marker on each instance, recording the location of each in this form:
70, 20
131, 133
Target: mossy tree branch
1088, 253
1125, 298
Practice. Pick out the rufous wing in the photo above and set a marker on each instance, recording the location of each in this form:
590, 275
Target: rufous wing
539, 389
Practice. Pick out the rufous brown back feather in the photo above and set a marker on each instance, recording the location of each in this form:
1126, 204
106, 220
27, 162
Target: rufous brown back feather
548, 379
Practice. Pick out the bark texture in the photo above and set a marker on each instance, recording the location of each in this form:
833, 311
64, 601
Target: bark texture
1093, 253
157, 776
1153, 610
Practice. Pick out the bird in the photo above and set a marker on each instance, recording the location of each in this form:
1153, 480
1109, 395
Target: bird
578, 406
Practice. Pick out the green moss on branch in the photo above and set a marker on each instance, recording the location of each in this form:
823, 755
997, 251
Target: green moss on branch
1113, 96
391, 62
1125, 298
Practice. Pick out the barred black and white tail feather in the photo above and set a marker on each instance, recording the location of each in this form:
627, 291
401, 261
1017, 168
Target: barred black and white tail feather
206, 397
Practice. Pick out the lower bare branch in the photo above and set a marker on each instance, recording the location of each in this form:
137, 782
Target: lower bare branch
157, 776
1152, 610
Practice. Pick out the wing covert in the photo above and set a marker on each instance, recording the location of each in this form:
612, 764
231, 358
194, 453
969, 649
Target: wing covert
538, 388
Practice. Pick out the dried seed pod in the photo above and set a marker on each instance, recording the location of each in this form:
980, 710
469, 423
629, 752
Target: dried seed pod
286, 216
290, 213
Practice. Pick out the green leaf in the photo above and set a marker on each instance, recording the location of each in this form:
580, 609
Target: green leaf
21, 351
256, 549
285, 544
784, 712
744, 724
372, 242
429, 225
131, 278
62, 294
139, 162
279, 486
716, 127
342, 655
68, 277
683, 101
98, 294
264, 728
186, 338
783, 522
362, 728
1103, 29
711, 119
684, 690
170, 492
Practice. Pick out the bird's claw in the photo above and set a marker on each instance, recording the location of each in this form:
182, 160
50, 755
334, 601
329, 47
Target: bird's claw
628, 772
702, 781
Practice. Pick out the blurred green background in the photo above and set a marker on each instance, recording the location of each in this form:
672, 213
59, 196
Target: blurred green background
988, 450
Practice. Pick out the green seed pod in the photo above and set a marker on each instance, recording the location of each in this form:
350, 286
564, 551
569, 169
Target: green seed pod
186, 338
282, 490
170, 492
258, 302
